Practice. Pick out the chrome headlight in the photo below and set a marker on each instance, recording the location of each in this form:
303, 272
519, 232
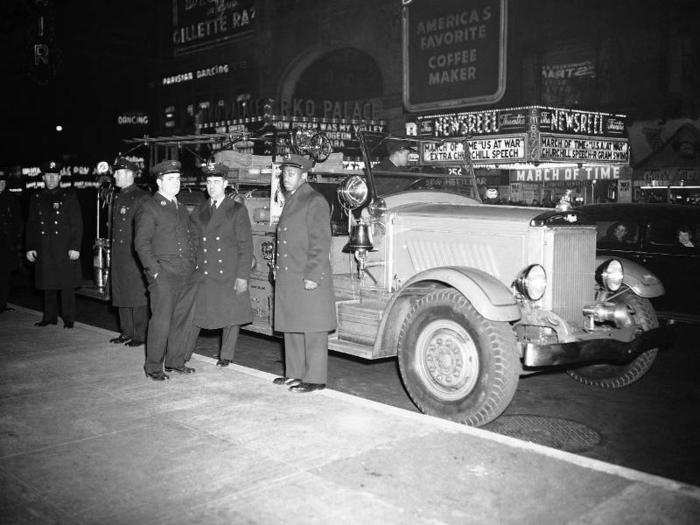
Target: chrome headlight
353, 192
612, 275
532, 282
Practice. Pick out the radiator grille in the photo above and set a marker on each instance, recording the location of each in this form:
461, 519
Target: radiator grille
572, 267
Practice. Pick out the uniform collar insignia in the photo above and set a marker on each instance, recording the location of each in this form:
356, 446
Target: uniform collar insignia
163, 203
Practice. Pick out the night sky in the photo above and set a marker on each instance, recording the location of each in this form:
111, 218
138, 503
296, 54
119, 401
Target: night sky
100, 54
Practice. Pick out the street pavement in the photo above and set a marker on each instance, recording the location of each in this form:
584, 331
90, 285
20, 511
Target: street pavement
85, 437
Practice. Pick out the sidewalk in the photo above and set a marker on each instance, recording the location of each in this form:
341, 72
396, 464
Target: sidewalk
85, 437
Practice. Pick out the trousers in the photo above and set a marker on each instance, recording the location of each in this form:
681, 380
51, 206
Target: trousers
133, 321
172, 297
67, 305
229, 336
306, 356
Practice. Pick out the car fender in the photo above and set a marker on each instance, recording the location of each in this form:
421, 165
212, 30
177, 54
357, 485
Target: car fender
640, 280
489, 296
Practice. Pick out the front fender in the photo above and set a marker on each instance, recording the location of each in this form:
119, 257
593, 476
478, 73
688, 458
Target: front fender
490, 297
640, 280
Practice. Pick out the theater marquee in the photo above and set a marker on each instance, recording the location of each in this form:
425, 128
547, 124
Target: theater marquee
484, 150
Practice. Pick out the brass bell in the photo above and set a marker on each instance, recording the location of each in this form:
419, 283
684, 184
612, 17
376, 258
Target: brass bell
360, 239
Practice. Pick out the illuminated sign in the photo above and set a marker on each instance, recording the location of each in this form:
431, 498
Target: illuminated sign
584, 149
491, 150
572, 70
487, 122
133, 119
332, 109
207, 72
520, 119
557, 120
566, 174
200, 24
454, 53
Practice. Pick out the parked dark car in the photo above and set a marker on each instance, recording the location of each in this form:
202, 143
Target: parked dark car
664, 238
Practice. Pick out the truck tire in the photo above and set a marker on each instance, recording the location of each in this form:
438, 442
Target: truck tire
456, 364
618, 376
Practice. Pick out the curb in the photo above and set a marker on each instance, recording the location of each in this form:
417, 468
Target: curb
450, 426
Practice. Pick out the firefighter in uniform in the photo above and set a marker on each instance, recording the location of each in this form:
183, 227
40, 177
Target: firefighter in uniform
53, 239
164, 244
304, 299
128, 286
10, 239
224, 260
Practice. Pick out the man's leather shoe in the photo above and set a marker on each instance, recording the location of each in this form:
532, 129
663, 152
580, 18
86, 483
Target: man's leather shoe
44, 322
158, 375
118, 340
134, 342
223, 362
307, 387
184, 369
67, 324
287, 381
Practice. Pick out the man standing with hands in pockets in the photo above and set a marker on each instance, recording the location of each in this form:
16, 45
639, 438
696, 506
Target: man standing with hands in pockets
164, 244
304, 295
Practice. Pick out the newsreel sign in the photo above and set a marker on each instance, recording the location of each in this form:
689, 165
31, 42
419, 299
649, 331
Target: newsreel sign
454, 53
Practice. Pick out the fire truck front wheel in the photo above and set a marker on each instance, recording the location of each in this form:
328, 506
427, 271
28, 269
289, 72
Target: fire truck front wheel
454, 363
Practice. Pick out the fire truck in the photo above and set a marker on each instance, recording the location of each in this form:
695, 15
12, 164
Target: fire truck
467, 296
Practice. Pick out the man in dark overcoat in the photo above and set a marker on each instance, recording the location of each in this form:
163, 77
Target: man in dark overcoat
128, 286
304, 298
11, 225
224, 261
53, 239
398, 152
165, 246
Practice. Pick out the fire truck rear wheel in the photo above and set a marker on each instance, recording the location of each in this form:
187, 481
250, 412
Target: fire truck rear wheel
618, 376
456, 364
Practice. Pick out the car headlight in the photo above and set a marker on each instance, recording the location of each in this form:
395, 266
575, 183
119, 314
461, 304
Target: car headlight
532, 282
353, 192
612, 275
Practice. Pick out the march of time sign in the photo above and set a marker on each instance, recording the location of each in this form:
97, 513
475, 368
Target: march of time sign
566, 174
491, 150
586, 149
454, 53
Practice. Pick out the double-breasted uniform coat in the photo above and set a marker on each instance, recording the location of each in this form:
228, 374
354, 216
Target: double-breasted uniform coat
165, 245
11, 225
55, 226
128, 284
303, 253
225, 253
